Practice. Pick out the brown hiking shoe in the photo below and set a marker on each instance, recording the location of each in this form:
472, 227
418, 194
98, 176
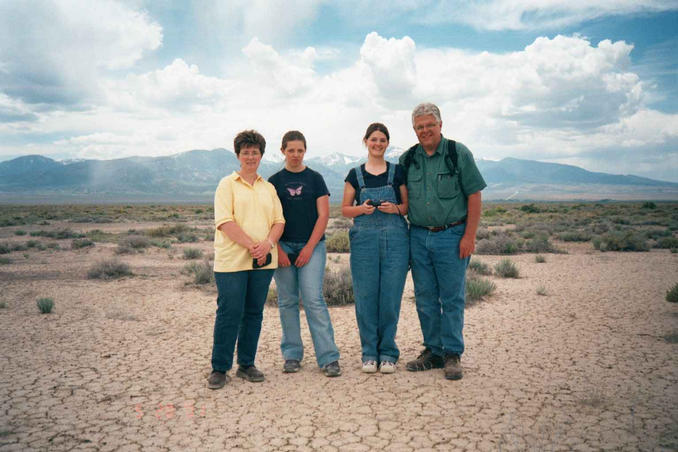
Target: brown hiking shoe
425, 361
452, 367
217, 380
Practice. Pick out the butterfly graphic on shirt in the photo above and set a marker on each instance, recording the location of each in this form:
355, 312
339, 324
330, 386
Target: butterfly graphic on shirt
295, 191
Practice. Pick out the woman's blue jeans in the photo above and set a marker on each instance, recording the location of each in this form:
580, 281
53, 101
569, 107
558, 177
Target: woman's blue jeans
306, 283
439, 277
240, 306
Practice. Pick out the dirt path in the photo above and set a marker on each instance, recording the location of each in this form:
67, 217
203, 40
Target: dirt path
122, 365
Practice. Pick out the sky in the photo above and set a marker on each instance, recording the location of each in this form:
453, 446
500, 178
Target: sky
592, 84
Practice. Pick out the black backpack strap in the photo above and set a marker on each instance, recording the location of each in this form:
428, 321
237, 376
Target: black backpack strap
452, 162
451, 158
408, 160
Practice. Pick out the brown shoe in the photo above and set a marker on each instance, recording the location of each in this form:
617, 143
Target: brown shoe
425, 361
452, 367
217, 380
251, 374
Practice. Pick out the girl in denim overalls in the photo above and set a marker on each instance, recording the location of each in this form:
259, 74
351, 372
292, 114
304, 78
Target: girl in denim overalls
379, 249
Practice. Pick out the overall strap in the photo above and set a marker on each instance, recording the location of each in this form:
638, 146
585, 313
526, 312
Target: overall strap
359, 176
391, 173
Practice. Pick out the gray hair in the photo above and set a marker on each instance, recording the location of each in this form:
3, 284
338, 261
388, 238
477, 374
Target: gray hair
424, 109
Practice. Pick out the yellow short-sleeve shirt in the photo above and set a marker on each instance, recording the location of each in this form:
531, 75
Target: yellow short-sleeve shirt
255, 208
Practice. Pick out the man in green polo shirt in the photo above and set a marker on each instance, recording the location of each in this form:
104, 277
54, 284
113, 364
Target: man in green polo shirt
444, 211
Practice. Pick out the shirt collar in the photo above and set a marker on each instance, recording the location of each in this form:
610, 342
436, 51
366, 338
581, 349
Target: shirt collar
237, 176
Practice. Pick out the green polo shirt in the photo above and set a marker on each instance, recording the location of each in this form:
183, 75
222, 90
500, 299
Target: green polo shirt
435, 194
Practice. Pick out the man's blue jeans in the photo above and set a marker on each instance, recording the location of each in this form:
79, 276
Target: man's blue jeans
305, 282
439, 277
240, 306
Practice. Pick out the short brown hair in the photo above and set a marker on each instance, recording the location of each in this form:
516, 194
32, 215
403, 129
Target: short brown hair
292, 135
249, 139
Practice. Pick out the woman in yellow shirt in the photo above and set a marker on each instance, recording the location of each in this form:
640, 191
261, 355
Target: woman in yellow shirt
249, 221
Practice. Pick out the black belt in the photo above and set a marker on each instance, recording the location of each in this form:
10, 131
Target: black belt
442, 228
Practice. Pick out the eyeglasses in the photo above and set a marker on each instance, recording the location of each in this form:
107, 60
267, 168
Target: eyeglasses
427, 126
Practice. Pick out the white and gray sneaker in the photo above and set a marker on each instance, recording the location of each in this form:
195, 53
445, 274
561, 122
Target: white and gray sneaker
387, 367
369, 367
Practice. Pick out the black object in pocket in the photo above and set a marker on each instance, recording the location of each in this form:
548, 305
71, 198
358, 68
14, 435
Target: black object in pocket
255, 263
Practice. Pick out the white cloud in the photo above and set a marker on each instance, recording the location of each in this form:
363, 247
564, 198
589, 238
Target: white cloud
53, 52
391, 64
558, 99
177, 86
291, 75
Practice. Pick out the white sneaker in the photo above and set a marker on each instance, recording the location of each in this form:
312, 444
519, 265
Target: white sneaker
387, 367
369, 367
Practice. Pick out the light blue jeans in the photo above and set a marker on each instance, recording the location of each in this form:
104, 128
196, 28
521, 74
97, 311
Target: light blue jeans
306, 283
379, 269
439, 277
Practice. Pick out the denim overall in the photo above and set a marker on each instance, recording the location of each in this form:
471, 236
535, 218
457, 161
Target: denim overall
379, 262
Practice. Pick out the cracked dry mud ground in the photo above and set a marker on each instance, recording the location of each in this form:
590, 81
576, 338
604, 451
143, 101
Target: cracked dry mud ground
122, 365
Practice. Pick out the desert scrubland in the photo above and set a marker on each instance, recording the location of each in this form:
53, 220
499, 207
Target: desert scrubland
577, 351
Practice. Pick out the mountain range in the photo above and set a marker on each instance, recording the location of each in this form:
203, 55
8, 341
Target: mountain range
193, 176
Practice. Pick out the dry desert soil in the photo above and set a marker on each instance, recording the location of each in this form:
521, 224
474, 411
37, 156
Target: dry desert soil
122, 364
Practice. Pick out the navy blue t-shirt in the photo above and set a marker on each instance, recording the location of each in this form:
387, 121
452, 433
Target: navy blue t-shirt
298, 193
379, 180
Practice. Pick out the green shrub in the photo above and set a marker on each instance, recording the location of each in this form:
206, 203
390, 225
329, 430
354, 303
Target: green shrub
187, 237
109, 269
530, 208
45, 305
201, 271
477, 288
649, 205
501, 243
5, 260
541, 290
506, 269
192, 253
539, 244
81, 243
483, 233
540, 259
272, 297
672, 294
3, 305
338, 287
5, 248
621, 241
136, 242
60, 234
667, 242
19, 232
574, 236
479, 267
161, 243
166, 230
97, 235
338, 242
54, 246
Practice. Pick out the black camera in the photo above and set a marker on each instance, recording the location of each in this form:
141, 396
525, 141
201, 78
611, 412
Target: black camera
374, 203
